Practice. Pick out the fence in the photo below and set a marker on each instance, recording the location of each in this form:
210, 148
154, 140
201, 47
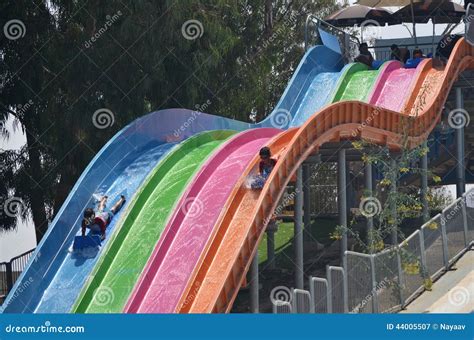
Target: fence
387, 281
10, 271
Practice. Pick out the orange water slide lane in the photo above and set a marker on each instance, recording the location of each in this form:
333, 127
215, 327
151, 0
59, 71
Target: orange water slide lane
240, 227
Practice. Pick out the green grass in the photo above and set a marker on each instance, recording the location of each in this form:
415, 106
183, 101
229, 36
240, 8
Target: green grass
320, 230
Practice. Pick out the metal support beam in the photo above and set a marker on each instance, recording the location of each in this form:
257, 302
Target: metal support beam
254, 285
460, 168
370, 191
307, 203
271, 229
342, 198
393, 191
424, 185
298, 229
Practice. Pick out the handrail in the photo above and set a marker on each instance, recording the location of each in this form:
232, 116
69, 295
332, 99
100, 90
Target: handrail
17, 257
377, 284
318, 21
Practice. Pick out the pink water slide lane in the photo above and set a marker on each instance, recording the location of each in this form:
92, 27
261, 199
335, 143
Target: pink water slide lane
393, 87
178, 251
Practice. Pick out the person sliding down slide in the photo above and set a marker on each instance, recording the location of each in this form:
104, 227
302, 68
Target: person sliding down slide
97, 223
265, 167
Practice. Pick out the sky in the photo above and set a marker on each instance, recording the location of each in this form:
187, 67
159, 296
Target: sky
23, 239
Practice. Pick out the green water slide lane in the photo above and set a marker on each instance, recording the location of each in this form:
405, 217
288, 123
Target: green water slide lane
355, 83
360, 85
116, 273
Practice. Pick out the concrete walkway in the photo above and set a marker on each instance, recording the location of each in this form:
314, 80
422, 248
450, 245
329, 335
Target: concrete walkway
452, 293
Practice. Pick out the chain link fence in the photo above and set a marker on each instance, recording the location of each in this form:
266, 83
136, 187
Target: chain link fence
387, 281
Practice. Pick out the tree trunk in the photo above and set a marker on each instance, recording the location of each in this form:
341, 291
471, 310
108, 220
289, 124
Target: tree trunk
268, 17
38, 210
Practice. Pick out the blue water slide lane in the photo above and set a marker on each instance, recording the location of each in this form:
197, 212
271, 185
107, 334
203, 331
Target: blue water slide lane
289, 110
147, 138
53, 278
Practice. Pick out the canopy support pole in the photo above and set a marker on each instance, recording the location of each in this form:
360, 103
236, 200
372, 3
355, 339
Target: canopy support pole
414, 23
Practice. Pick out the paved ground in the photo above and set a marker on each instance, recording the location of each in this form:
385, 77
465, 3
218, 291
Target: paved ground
452, 293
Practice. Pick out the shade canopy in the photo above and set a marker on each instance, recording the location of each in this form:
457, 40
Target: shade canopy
358, 14
441, 12
387, 3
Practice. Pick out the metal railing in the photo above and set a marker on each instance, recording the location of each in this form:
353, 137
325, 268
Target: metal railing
349, 43
10, 272
469, 18
387, 281
383, 52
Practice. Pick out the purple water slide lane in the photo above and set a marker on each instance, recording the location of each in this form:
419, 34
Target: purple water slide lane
393, 87
188, 230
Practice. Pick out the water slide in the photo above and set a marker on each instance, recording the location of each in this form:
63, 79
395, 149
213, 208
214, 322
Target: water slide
178, 249
165, 129
165, 277
53, 279
219, 275
188, 230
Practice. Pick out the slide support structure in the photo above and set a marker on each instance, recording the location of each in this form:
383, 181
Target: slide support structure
254, 285
393, 191
271, 229
461, 176
298, 229
342, 198
370, 219
307, 202
424, 185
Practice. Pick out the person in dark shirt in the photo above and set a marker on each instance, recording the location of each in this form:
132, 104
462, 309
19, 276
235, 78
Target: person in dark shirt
98, 221
267, 163
395, 55
365, 57
265, 167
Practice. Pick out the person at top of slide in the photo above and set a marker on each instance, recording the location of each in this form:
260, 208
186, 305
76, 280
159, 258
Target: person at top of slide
267, 163
365, 57
417, 58
98, 221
